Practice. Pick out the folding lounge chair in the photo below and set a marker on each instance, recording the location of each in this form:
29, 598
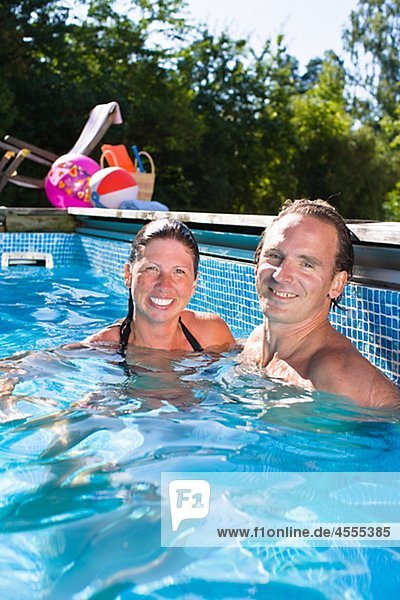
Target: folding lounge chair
100, 119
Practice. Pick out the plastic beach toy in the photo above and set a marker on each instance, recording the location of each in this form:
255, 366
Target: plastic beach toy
117, 156
67, 183
112, 186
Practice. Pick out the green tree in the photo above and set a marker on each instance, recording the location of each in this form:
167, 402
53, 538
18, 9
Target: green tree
230, 131
335, 158
373, 40
73, 62
322, 125
390, 128
242, 101
277, 133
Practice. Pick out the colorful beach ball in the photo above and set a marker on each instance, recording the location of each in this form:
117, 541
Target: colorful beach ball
112, 186
67, 182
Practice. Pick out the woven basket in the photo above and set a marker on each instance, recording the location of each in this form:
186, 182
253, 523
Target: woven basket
145, 181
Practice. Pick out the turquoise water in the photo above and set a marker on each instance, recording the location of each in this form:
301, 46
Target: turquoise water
41, 308
85, 437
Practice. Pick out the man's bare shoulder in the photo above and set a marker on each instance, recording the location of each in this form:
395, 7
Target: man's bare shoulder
255, 337
252, 349
344, 371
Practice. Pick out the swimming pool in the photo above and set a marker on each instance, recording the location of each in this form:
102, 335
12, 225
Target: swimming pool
85, 439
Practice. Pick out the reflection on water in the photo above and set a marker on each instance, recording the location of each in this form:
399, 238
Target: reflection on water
86, 435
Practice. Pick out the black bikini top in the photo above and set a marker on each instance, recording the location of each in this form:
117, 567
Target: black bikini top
190, 337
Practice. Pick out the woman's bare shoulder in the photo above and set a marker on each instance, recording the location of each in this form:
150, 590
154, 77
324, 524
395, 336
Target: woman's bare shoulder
109, 335
200, 316
209, 328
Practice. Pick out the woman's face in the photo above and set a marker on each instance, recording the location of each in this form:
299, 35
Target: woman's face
162, 280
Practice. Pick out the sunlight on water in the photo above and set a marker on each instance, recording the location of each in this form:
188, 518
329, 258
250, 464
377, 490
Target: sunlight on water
85, 436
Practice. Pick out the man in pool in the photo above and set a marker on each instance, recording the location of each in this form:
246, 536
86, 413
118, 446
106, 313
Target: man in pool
303, 261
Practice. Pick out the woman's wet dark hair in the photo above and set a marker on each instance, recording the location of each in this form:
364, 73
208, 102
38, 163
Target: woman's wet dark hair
320, 209
159, 229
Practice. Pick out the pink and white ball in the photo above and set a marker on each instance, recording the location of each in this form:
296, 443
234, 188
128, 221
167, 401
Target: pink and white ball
67, 183
111, 186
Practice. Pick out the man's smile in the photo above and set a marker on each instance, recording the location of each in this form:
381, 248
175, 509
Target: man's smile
283, 294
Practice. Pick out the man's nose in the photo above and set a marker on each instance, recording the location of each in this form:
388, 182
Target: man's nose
284, 272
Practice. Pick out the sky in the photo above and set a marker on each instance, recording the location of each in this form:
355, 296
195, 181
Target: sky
310, 26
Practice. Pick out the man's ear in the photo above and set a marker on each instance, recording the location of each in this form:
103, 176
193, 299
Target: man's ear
128, 274
338, 282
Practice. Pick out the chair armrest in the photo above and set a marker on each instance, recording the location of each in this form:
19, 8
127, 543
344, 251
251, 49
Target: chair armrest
27, 182
35, 150
31, 156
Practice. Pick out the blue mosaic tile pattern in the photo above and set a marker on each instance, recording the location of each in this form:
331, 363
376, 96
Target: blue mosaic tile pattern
371, 319
107, 255
61, 245
233, 293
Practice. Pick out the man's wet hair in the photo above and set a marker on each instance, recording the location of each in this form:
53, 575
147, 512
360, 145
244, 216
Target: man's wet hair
322, 210
159, 229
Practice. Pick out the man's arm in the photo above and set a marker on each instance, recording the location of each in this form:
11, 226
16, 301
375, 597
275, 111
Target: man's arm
348, 373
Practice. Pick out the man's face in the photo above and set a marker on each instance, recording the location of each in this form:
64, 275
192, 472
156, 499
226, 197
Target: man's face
295, 274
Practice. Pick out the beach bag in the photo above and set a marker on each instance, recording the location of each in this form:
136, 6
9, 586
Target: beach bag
116, 156
146, 180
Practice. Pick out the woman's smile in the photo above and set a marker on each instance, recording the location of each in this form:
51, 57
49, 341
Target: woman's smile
161, 302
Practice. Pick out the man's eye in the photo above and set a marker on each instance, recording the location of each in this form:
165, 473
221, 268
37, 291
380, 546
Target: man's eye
273, 256
180, 271
308, 265
151, 268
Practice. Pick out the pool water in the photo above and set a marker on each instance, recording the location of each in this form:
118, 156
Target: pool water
85, 436
41, 308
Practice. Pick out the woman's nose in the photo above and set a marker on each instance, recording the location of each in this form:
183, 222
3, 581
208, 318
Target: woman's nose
164, 279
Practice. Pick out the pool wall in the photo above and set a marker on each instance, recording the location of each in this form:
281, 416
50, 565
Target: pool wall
371, 315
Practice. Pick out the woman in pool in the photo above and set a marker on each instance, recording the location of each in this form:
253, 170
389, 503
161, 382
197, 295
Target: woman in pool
162, 276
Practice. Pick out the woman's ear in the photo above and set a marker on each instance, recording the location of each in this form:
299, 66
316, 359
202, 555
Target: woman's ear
338, 282
194, 285
128, 274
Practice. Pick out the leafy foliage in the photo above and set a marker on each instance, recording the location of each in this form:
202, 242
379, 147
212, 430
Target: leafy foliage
373, 41
230, 131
